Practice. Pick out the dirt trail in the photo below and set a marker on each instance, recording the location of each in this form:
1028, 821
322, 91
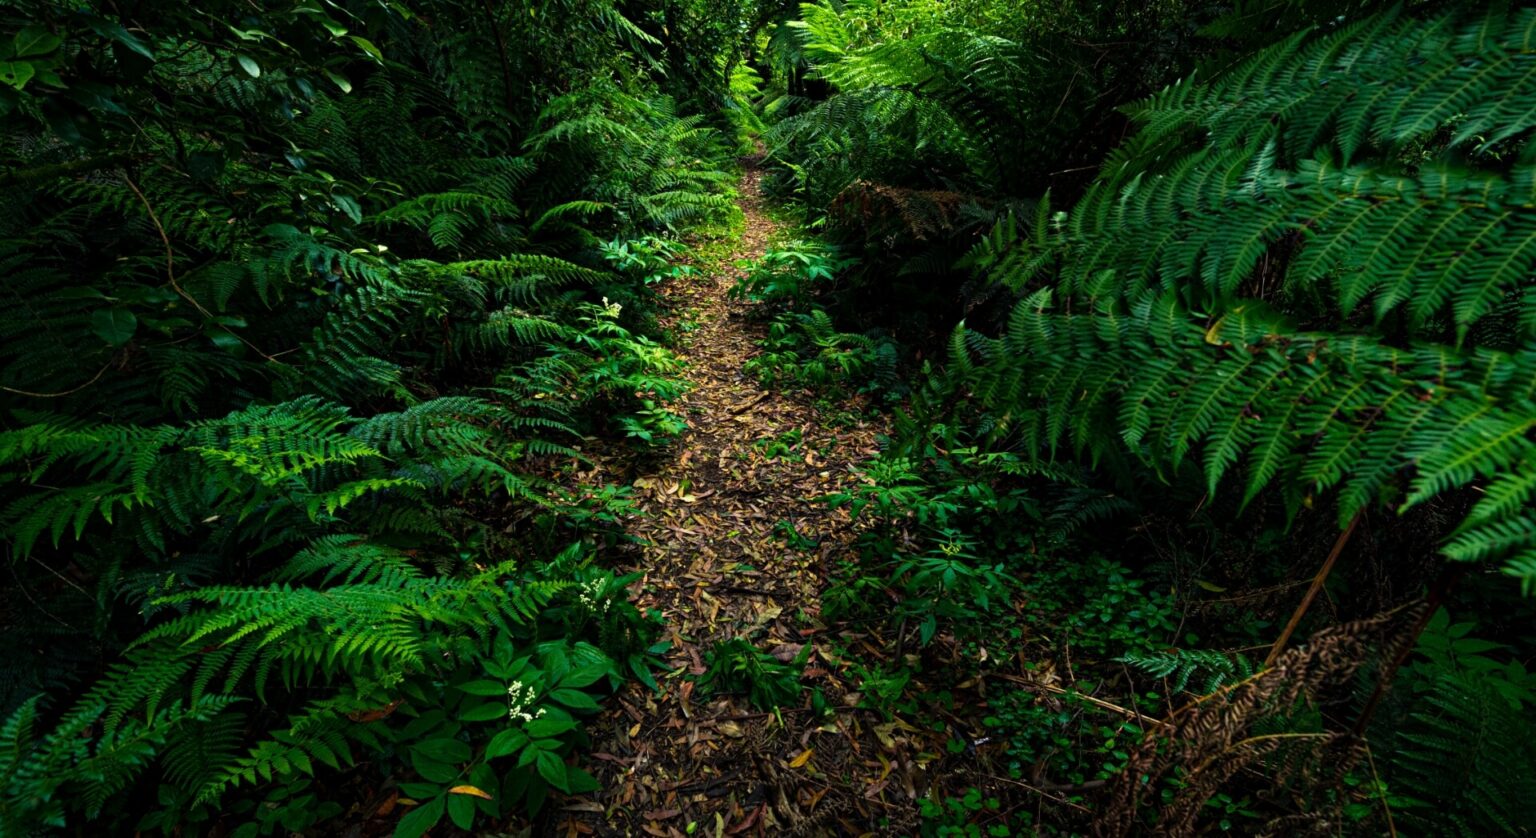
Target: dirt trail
716, 569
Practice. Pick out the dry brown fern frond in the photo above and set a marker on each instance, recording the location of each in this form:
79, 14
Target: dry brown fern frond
1209, 740
881, 209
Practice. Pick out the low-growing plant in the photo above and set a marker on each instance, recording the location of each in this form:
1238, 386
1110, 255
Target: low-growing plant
650, 258
1060, 737
805, 350
737, 666
1098, 607
785, 275
956, 816
781, 445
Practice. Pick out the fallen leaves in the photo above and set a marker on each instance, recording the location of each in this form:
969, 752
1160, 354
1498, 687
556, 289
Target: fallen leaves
683, 763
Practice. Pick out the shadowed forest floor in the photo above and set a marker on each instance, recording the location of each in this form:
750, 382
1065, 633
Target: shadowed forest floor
716, 568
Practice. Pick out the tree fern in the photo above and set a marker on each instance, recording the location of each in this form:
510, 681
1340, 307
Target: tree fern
1471, 750
1224, 209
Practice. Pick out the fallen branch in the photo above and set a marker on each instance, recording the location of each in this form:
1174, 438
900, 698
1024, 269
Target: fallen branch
737, 411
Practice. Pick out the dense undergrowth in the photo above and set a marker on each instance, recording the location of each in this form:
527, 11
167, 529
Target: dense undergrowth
308, 303
1243, 302
1207, 333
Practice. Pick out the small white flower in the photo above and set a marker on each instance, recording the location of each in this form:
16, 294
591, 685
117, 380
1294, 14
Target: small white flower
518, 699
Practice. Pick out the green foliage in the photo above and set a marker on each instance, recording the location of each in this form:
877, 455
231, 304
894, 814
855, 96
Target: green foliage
736, 665
782, 445
652, 257
1458, 738
1187, 265
307, 306
807, 351
1181, 666
784, 275
953, 547
954, 816
1297, 293
1061, 737
964, 96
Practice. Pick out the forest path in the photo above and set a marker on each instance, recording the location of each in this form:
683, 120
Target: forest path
679, 763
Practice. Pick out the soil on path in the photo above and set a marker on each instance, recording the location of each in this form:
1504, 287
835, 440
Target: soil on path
678, 763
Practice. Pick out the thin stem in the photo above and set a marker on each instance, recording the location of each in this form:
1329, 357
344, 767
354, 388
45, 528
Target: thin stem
1317, 585
170, 267
61, 393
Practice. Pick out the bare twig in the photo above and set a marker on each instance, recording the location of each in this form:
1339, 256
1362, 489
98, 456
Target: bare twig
61, 393
1097, 702
740, 409
1386, 808
170, 267
1317, 585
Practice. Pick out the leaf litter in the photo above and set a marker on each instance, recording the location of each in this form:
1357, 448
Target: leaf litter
675, 763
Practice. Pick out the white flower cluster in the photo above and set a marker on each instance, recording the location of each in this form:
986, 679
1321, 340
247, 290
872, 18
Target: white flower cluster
590, 592
518, 699
611, 309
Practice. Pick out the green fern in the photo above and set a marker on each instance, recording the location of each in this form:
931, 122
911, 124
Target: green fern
1472, 751
1215, 669
1236, 201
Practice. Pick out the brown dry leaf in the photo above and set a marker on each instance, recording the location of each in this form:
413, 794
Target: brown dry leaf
787, 652
689, 538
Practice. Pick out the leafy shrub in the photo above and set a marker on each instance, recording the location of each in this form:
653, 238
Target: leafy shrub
785, 275
735, 665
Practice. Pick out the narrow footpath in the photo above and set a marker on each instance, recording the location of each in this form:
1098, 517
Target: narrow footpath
717, 566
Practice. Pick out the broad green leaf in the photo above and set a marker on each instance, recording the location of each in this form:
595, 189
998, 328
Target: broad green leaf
483, 687
584, 677
443, 750
484, 712
552, 769
16, 73
434, 770
423, 818
115, 31
114, 325
367, 46
506, 742
35, 40
461, 808
349, 206
339, 80
580, 782
545, 728
249, 65
575, 699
